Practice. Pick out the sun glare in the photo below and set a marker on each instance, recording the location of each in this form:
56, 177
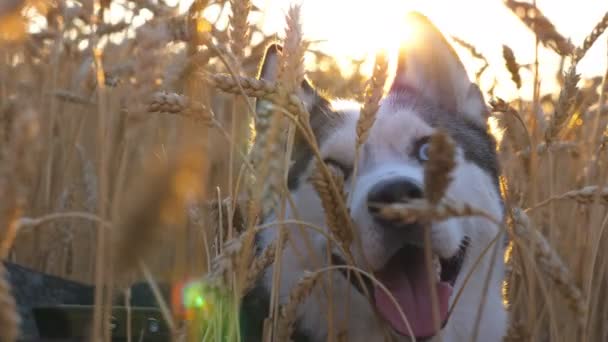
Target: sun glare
358, 29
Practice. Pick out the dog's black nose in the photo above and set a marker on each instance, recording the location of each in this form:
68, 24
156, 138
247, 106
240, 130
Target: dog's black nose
398, 189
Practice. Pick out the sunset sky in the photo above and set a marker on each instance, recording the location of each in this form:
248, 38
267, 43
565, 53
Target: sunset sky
356, 28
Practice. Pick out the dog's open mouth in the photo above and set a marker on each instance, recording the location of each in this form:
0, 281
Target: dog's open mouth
407, 279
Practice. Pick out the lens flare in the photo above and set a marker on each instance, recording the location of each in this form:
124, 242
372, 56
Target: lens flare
191, 299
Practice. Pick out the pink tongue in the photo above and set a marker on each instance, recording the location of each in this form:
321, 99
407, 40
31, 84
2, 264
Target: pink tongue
411, 289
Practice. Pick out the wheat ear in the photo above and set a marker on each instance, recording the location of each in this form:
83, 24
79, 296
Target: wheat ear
422, 210
512, 65
173, 103
339, 225
262, 89
567, 95
373, 94
291, 72
597, 31
260, 263
297, 296
584, 195
542, 27
437, 178
239, 27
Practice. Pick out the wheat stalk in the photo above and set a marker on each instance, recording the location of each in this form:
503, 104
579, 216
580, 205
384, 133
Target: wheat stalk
550, 263
9, 316
437, 169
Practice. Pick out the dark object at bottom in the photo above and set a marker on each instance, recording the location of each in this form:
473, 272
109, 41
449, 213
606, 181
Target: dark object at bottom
56, 309
69, 322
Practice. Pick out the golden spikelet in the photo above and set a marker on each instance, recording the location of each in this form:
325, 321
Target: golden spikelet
542, 27
556, 146
565, 103
173, 103
339, 225
291, 71
511, 120
239, 27
597, 31
550, 263
422, 210
152, 37
512, 65
373, 95
583, 196
274, 138
471, 48
225, 263
71, 97
298, 294
9, 316
437, 170
261, 89
476, 54
260, 263
223, 208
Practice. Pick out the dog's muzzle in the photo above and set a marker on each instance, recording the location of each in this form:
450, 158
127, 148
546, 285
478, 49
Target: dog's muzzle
413, 283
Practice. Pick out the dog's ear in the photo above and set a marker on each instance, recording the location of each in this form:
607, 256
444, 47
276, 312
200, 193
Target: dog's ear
269, 70
429, 66
322, 118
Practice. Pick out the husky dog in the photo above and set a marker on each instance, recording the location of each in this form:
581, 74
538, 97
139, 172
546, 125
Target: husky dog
430, 91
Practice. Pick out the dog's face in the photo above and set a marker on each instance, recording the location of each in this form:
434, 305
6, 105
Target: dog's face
430, 91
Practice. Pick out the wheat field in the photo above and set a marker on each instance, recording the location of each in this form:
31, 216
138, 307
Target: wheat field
130, 150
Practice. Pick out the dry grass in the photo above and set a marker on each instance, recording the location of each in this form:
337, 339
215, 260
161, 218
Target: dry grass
97, 182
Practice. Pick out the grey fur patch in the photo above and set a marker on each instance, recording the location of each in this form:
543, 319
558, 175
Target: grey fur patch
322, 121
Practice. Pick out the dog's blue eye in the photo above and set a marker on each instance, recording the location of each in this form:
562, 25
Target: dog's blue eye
423, 152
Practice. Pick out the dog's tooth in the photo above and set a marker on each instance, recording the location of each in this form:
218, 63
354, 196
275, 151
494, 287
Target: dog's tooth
437, 266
